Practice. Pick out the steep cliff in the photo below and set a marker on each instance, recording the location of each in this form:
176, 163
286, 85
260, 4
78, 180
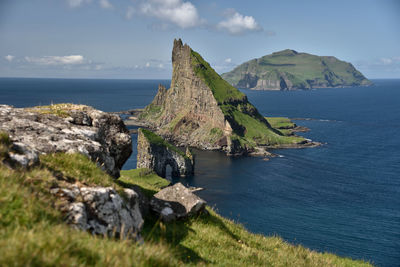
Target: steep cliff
290, 70
202, 110
155, 153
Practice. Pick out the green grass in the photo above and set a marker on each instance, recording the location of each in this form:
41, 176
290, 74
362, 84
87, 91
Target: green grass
32, 231
76, 167
149, 182
257, 133
249, 127
151, 112
157, 140
280, 122
222, 90
4, 139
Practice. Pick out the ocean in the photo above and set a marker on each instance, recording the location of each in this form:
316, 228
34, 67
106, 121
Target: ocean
342, 197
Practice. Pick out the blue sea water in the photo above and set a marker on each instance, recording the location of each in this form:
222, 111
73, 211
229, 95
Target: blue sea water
342, 197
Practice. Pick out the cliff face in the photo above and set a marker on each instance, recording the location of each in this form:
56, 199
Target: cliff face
202, 110
188, 111
155, 154
290, 70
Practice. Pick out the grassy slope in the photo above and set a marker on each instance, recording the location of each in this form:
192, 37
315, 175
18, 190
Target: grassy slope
280, 122
32, 231
300, 67
253, 129
284, 125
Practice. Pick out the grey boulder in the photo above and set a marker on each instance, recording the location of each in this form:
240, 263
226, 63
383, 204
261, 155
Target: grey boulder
176, 202
101, 210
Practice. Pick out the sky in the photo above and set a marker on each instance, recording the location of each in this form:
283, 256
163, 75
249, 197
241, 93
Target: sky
132, 39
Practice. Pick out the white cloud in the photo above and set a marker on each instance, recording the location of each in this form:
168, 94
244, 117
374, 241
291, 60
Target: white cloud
57, 60
237, 24
77, 3
147, 64
9, 58
386, 61
389, 61
105, 4
228, 60
130, 12
177, 12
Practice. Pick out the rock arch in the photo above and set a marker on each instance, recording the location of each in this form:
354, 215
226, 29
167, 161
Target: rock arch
155, 154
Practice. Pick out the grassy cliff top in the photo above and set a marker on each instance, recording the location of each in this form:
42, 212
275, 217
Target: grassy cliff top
157, 140
33, 232
280, 122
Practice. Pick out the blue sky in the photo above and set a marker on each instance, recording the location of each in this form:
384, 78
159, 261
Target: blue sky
133, 38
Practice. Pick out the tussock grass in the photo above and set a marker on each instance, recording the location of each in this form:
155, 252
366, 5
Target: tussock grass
33, 233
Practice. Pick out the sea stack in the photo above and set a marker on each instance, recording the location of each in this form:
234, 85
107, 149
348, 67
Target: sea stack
202, 110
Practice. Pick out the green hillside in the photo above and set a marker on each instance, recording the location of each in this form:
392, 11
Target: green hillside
249, 127
289, 70
33, 231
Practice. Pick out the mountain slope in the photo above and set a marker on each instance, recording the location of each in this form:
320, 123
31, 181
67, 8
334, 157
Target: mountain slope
202, 110
290, 70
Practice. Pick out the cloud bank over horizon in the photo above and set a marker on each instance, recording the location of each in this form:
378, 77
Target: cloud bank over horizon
109, 38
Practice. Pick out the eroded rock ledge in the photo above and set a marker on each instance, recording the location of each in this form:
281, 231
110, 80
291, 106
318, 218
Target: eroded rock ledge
155, 153
70, 128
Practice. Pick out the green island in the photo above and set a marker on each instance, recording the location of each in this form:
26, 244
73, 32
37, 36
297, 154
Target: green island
33, 231
290, 70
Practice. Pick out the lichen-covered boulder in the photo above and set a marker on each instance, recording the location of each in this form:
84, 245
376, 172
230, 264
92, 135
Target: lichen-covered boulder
21, 155
70, 128
101, 210
175, 202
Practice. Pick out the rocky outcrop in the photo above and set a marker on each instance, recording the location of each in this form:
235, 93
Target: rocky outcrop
290, 70
20, 155
176, 202
202, 110
101, 210
155, 153
69, 128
